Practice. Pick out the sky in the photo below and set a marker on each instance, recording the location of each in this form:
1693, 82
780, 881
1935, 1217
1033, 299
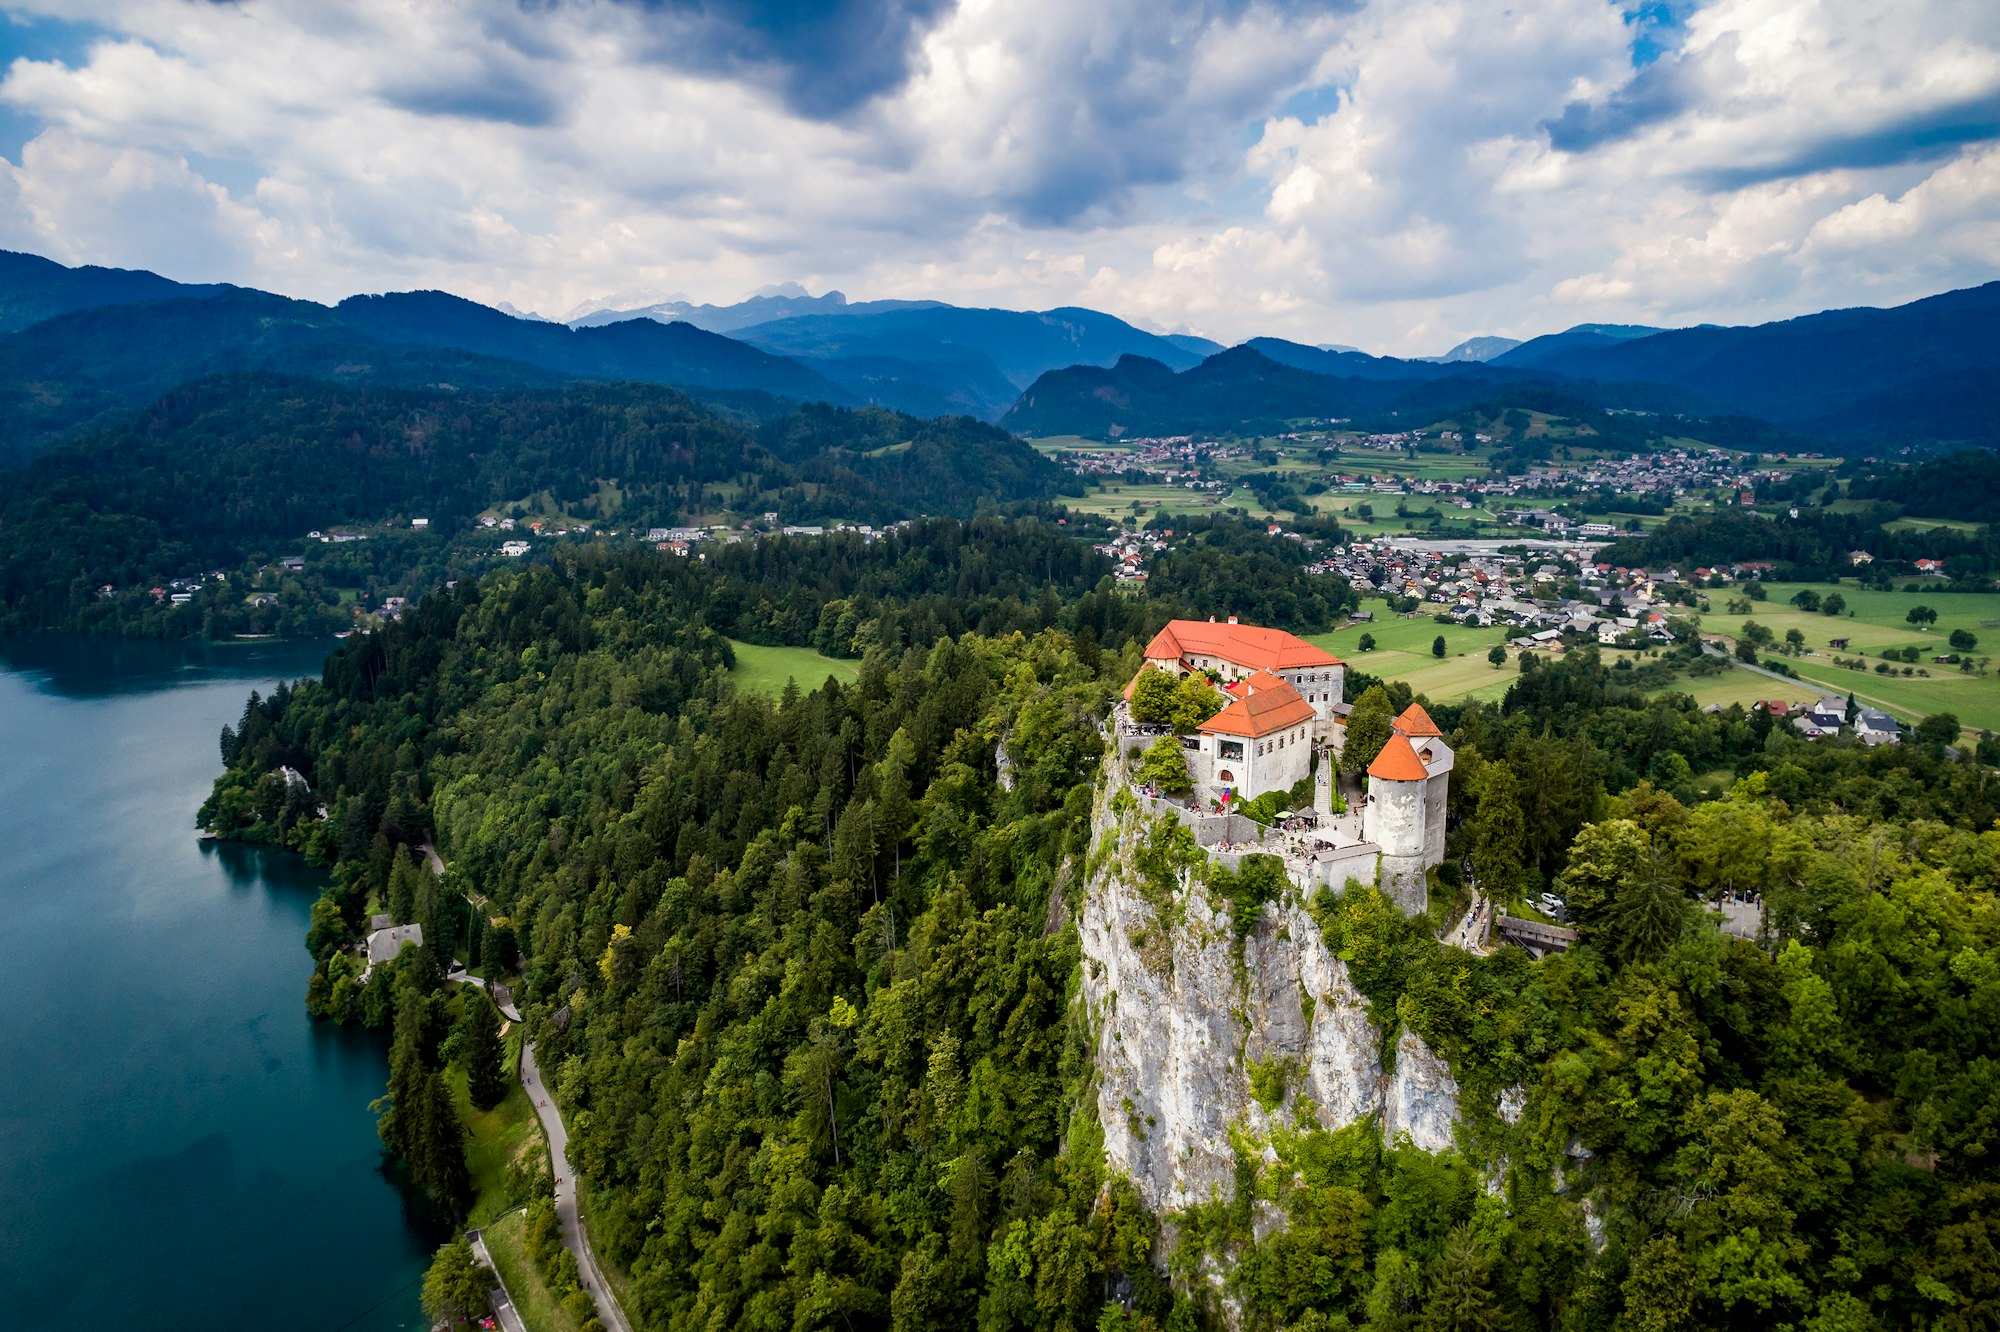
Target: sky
1390, 174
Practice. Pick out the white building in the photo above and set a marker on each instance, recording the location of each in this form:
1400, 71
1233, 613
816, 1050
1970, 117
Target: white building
1261, 741
1237, 651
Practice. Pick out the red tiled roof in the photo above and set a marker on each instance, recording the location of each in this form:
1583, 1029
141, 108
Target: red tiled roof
1270, 705
1246, 645
1416, 723
1398, 762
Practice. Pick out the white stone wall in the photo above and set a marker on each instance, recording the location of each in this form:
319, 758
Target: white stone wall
1272, 769
1436, 792
1395, 821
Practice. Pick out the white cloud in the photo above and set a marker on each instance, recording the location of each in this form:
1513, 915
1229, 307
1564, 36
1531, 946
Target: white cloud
1464, 168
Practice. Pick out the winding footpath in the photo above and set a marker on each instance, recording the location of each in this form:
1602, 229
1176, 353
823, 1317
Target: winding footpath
574, 1239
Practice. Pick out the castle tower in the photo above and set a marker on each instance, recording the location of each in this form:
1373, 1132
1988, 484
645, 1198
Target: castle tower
1397, 820
1416, 726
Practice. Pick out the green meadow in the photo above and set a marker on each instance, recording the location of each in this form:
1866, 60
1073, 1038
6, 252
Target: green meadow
764, 670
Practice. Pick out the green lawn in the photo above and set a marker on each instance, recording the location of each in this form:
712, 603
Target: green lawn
506, 1240
764, 670
496, 1136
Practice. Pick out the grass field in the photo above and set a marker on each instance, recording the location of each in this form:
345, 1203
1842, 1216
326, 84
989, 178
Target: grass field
764, 670
1931, 525
495, 1136
506, 1240
1075, 444
1403, 652
1874, 621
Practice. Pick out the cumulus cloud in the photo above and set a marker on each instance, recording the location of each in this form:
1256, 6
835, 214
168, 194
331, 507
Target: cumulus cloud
1391, 173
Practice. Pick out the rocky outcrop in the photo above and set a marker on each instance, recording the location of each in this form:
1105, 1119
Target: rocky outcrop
1200, 1050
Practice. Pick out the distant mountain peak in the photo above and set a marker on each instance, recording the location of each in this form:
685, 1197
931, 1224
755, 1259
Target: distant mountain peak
1477, 349
793, 291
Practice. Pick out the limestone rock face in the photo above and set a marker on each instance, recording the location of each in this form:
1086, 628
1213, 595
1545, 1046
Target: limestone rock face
1181, 1023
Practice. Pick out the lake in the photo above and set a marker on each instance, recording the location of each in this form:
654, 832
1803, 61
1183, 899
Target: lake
180, 1146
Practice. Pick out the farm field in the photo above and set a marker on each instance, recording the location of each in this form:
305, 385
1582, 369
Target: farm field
1115, 501
764, 670
1876, 620
1403, 652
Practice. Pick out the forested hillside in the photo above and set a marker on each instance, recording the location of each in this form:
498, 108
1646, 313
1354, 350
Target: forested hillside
802, 970
229, 468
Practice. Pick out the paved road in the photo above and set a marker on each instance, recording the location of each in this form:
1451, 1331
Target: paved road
1730, 657
503, 1303
502, 996
574, 1238
577, 1242
1470, 931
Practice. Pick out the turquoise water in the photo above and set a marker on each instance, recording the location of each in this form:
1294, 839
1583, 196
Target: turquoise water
180, 1147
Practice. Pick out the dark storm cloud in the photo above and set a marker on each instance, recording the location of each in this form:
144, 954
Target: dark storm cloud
1934, 135
1654, 94
505, 101
825, 58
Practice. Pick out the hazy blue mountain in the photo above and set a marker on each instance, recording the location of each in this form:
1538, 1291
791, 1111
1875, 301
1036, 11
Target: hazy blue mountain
1929, 370
948, 382
1202, 347
743, 314
919, 355
1539, 352
1359, 365
68, 372
1477, 349
1240, 389
637, 349
33, 289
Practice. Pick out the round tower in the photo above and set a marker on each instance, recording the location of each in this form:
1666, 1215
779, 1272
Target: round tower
1397, 820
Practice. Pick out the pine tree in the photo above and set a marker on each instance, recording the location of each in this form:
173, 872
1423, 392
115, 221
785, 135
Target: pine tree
439, 1161
398, 1109
403, 885
485, 1071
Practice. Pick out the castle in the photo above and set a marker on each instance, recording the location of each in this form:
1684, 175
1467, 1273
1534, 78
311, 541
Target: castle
1284, 704
1408, 785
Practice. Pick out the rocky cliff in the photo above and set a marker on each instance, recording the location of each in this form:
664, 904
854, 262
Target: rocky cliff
1196, 1041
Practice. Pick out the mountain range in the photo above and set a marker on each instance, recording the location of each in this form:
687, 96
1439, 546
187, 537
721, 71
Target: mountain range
78, 345
925, 357
1924, 373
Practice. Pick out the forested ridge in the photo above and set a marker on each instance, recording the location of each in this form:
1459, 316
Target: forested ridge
803, 971
236, 468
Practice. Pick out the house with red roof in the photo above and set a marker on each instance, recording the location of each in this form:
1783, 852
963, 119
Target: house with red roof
1262, 740
1236, 651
